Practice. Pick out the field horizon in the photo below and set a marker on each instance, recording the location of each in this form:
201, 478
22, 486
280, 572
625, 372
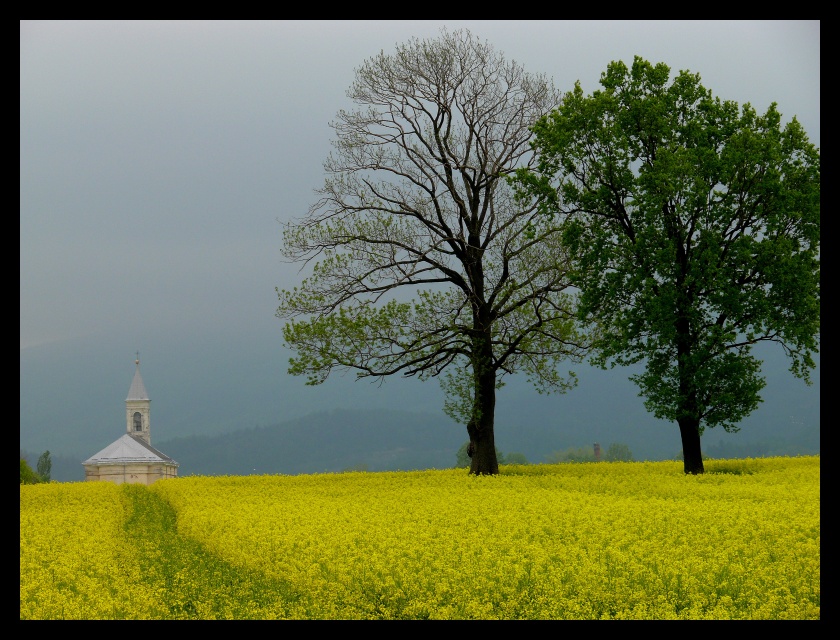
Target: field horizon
614, 540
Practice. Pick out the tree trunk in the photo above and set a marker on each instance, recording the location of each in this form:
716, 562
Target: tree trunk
483, 444
692, 455
480, 428
688, 413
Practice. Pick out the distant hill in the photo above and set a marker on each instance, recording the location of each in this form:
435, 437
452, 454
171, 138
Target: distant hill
224, 404
322, 442
384, 440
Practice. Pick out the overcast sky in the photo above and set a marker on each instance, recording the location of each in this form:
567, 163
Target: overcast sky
156, 158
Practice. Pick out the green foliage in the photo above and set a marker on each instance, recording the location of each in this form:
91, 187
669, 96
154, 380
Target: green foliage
618, 452
572, 454
45, 466
27, 475
516, 458
695, 225
462, 458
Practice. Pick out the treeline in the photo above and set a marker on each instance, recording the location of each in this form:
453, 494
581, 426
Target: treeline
43, 472
373, 440
615, 452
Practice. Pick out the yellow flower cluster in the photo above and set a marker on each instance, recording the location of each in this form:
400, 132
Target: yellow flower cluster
75, 561
618, 540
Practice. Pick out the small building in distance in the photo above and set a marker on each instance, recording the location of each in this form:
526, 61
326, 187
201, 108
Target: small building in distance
132, 458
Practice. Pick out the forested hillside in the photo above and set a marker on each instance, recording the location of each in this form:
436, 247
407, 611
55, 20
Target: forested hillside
223, 404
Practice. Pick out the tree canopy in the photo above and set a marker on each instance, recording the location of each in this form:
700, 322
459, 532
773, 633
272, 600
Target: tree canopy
695, 224
45, 466
27, 475
423, 261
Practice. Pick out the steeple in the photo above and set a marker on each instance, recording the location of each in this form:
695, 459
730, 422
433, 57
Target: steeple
138, 407
132, 458
137, 391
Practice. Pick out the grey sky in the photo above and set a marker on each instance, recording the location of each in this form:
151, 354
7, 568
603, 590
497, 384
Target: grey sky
157, 157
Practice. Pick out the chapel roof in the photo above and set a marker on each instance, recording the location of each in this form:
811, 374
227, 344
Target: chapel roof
129, 449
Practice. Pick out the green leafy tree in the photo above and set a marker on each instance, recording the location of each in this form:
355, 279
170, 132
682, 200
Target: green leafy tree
27, 475
462, 456
44, 466
696, 225
572, 454
423, 261
514, 457
618, 452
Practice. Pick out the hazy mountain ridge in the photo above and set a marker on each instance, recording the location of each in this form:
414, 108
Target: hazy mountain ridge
214, 395
393, 440
327, 441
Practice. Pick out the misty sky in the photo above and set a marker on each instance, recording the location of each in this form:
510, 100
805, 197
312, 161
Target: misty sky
156, 158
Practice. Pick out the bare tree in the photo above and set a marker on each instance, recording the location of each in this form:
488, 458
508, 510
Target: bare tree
417, 199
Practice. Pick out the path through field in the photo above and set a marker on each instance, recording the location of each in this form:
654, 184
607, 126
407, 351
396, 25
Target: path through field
191, 582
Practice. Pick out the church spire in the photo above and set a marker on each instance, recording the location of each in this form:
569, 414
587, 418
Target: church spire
137, 391
138, 407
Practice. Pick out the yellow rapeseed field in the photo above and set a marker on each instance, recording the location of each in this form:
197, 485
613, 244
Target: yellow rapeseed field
619, 540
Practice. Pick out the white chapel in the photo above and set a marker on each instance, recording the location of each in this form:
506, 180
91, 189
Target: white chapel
132, 458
